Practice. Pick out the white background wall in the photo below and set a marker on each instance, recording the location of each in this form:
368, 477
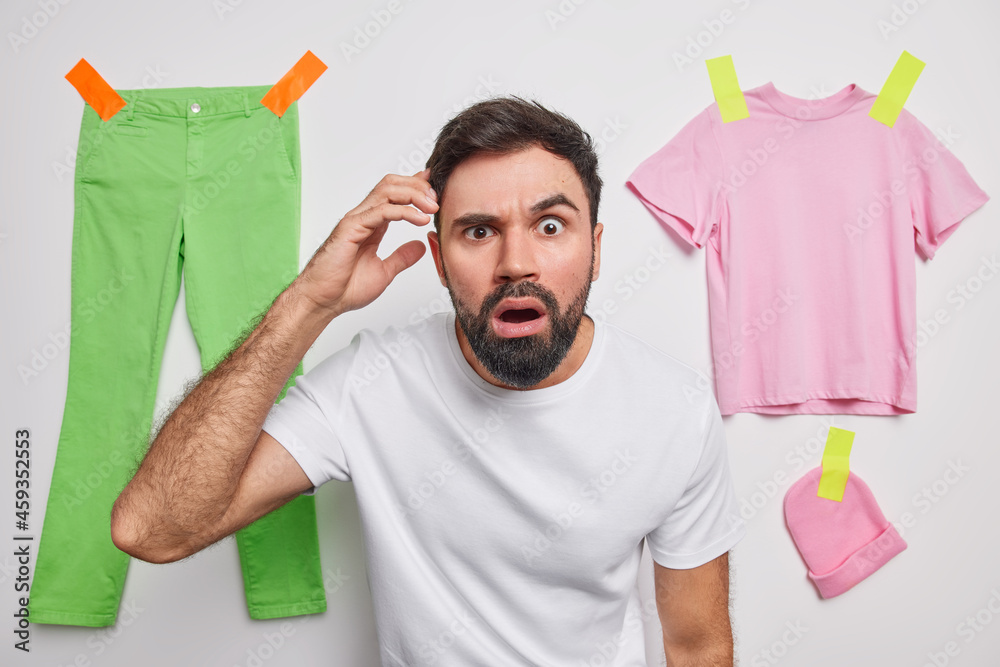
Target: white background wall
611, 66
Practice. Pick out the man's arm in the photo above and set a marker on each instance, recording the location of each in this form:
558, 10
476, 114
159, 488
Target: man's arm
694, 613
211, 470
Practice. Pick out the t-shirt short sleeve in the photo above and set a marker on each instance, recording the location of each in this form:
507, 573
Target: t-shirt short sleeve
942, 193
679, 183
705, 522
305, 420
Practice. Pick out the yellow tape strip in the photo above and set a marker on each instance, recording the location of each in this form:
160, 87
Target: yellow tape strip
836, 464
726, 89
896, 89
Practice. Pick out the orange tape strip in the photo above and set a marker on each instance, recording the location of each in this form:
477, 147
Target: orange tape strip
94, 90
294, 84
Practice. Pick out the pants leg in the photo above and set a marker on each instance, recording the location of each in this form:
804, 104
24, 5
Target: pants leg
136, 181
241, 221
126, 274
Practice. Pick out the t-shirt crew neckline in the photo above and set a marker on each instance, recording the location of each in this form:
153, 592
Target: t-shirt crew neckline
528, 396
819, 109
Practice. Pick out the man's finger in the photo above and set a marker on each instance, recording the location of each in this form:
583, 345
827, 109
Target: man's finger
398, 189
403, 258
424, 199
383, 213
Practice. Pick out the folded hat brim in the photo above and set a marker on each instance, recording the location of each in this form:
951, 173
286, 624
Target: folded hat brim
860, 564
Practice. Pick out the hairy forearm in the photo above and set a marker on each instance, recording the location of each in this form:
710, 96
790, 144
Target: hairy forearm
189, 477
182, 497
695, 614
700, 639
716, 651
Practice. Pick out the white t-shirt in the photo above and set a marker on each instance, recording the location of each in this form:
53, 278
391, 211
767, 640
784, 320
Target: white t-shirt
505, 527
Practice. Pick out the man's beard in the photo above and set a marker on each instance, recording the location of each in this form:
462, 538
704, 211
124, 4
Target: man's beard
523, 361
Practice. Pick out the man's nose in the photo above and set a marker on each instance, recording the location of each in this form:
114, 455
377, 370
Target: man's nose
517, 260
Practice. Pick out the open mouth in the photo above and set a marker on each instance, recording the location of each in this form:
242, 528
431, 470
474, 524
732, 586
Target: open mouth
519, 315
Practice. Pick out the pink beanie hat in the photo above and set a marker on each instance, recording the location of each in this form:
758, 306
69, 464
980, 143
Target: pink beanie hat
841, 542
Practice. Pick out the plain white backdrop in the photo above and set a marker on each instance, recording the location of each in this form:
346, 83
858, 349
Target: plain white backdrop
619, 69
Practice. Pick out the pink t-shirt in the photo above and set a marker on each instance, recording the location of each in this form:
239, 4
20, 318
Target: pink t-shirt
810, 211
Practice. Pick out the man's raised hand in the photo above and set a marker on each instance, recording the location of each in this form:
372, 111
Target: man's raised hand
345, 273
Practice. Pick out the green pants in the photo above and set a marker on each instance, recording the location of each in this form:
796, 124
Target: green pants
204, 179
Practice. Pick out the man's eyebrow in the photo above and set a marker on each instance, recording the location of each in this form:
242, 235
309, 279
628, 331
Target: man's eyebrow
473, 219
554, 200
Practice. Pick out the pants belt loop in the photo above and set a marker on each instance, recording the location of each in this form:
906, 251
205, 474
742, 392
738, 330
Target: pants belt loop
246, 104
130, 107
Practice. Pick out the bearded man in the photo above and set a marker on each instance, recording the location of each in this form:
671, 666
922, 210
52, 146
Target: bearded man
509, 459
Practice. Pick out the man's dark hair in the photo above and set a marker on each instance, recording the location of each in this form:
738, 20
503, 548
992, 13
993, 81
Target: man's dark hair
508, 125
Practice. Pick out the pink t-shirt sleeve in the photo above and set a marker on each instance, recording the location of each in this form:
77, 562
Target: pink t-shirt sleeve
679, 183
943, 192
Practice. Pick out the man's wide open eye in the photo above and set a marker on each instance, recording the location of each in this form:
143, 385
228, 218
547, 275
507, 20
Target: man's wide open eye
478, 232
551, 226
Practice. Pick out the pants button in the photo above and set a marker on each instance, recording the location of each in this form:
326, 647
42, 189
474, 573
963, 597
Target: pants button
195, 108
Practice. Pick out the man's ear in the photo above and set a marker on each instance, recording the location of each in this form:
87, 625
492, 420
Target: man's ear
435, 243
598, 230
